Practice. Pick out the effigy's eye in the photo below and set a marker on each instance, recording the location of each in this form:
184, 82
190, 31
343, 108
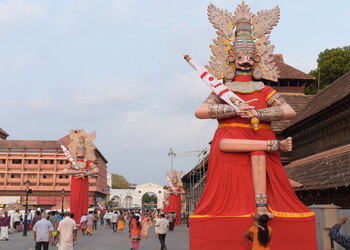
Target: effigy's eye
250, 57
239, 57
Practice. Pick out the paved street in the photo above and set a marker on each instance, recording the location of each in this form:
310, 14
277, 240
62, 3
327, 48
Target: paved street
105, 239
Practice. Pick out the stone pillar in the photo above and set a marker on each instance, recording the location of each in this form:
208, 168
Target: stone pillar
326, 217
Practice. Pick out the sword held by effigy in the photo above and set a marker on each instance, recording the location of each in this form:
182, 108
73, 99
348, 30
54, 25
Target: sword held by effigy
220, 89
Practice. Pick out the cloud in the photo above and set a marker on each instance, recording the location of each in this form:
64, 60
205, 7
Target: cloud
20, 10
39, 104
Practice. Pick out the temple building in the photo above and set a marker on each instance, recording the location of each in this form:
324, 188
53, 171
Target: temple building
42, 163
291, 85
321, 147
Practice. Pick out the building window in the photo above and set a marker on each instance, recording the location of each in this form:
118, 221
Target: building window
15, 176
2, 161
16, 161
32, 161
51, 162
31, 175
62, 162
63, 176
47, 176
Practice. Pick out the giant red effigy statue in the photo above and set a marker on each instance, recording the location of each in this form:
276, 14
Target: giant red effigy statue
81, 156
176, 193
245, 175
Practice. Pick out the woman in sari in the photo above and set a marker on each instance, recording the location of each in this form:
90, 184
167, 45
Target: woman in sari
145, 225
121, 224
135, 232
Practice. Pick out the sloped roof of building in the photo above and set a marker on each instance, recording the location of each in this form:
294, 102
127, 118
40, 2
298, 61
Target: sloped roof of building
28, 144
333, 93
3, 132
289, 72
298, 103
324, 170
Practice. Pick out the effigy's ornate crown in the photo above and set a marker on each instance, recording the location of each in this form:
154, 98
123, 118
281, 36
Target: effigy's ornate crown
81, 142
246, 33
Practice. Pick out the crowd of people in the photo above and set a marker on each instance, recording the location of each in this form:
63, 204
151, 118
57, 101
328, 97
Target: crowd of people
62, 229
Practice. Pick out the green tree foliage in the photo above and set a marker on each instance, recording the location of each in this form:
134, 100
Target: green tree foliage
118, 182
149, 198
332, 64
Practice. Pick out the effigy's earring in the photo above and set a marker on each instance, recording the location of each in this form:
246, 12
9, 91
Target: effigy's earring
257, 73
229, 73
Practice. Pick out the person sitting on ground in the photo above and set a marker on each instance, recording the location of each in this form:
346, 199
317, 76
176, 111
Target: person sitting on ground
342, 240
260, 233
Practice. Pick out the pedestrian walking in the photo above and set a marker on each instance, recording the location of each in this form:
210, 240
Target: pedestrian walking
171, 219
17, 221
36, 218
162, 224
54, 222
96, 217
89, 223
4, 224
121, 224
114, 220
158, 217
343, 240
135, 232
67, 233
83, 224
42, 233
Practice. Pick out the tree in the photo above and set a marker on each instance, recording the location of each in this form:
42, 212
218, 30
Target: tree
332, 64
149, 198
119, 182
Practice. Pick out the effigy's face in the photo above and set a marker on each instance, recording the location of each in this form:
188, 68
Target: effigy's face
80, 155
244, 55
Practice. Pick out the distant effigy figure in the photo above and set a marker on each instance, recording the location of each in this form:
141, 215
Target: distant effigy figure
245, 175
81, 156
177, 194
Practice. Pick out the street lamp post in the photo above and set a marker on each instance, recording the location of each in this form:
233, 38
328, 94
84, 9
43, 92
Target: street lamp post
28, 190
171, 153
62, 192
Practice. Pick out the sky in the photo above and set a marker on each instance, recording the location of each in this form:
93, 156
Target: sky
116, 67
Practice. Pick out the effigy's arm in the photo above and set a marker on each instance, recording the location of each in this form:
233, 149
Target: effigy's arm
69, 169
213, 107
278, 109
92, 169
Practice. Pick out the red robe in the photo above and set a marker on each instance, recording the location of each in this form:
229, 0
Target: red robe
79, 195
225, 211
175, 205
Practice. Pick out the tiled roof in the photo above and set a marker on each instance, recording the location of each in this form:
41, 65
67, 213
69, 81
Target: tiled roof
289, 72
324, 170
298, 103
334, 92
4, 132
28, 144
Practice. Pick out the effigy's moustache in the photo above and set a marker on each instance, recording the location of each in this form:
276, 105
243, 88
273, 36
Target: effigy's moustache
245, 64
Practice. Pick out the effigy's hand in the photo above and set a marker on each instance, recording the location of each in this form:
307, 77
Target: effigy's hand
249, 113
245, 105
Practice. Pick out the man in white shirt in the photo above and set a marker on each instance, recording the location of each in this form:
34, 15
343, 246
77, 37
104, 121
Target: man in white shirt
67, 233
162, 226
114, 221
42, 233
17, 220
